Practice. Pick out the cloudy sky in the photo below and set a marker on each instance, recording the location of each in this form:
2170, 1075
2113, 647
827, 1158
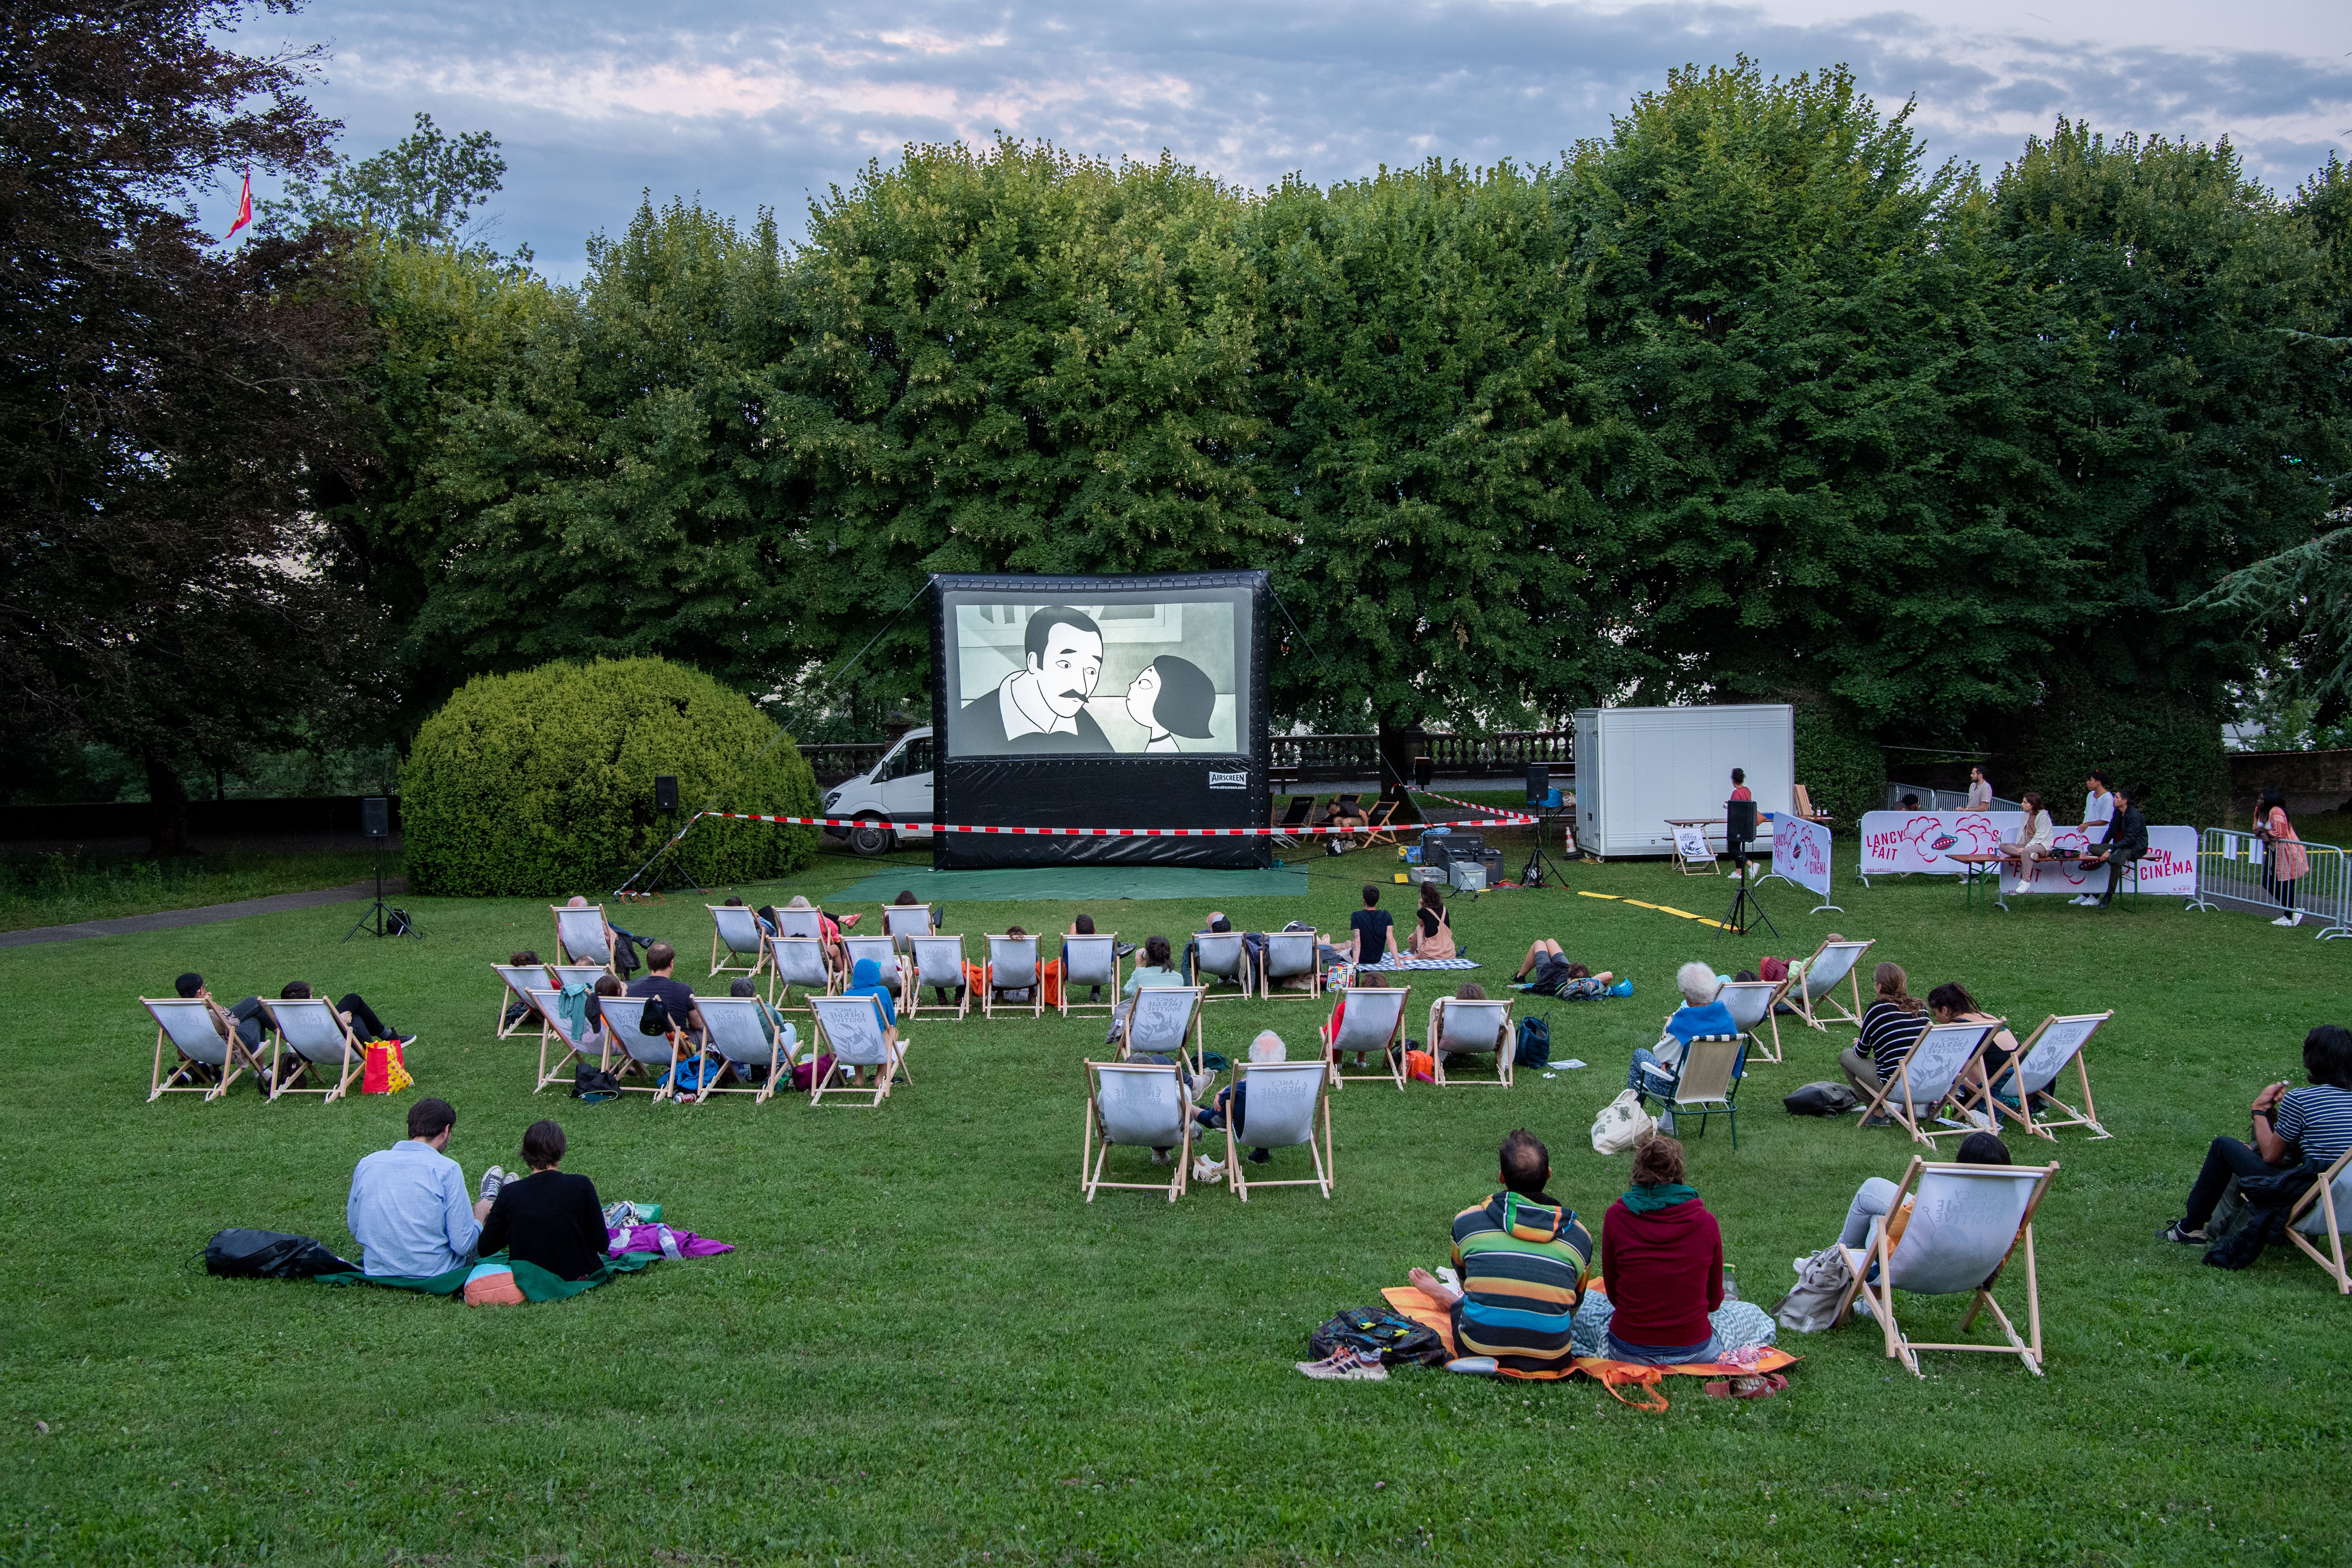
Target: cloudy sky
752, 105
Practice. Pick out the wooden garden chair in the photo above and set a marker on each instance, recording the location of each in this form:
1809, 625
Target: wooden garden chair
904, 922
1378, 824
1931, 1075
1223, 955
588, 1045
1014, 965
1815, 995
798, 961
938, 964
186, 1022
2317, 1216
1136, 1105
884, 951
584, 936
737, 930
1157, 1022
745, 1035
1287, 1105
1090, 960
853, 1031
520, 981
2034, 1076
1964, 1223
1371, 1020
313, 1041
630, 1052
1472, 1027
1291, 955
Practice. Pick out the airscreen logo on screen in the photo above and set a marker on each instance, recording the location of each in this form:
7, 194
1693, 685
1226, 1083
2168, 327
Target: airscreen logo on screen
1229, 781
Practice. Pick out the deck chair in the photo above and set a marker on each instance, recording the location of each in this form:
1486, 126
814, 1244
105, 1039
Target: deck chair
741, 1036
2317, 1216
631, 1052
938, 963
1370, 1020
852, 1031
1833, 964
1013, 967
884, 951
315, 1036
1090, 960
1157, 1024
1750, 1003
737, 930
187, 1023
800, 922
1929, 1077
1705, 1083
1461, 1027
560, 975
904, 922
2035, 1075
1967, 1221
1294, 817
797, 961
1134, 1105
582, 937
1380, 832
518, 982
587, 1046
1223, 955
1285, 1101
1290, 955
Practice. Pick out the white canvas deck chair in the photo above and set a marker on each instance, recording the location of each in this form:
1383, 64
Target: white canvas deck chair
582, 937
1833, 965
939, 962
1370, 1019
1706, 1083
2317, 1217
1929, 1076
1470, 1027
737, 930
186, 1022
800, 922
562, 974
633, 1053
882, 950
740, 1036
1090, 960
904, 922
1286, 1105
852, 1031
1966, 1223
1013, 967
314, 1043
1223, 955
517, 980
797, 961
588, 1045
1157, 1024
1749, 1002
1134, 1105
1290, 955
2034, 1076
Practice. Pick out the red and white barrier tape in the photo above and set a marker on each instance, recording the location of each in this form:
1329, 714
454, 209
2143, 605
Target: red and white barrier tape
1506, 820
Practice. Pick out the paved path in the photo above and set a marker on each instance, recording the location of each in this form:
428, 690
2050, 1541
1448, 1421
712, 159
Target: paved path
170, 920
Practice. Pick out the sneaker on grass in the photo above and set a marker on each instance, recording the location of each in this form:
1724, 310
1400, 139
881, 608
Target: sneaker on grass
1346, 1364
2178, 1231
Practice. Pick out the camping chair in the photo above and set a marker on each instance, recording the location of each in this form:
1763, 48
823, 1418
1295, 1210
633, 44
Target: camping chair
2035, 1071
2318, 1215
654, 1057
187, 1023
1370, 1019
1377, 824
587, 1046
1463, 1028
1834, 963
904, 922
1705, 1083
1134, 1105
1301, 806
884, 951
1156, 1024
1013, 967
797, 961
854, 1032
1290, 955
742, 1036
311, 1028
1090, 960
1223, 955
1750, 1004
1929, 1075
739, 929
519, 981
1284, 1101
1966, 1223
582, 936
939, 962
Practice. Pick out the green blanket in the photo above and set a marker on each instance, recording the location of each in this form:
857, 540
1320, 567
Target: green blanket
535, 1283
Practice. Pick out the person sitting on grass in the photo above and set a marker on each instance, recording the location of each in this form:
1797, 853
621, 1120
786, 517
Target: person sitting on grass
1700, 1014
1662, 1255
1431, 933
549, 1217
2290, 1127
1876, 1197
353, 1010
1231, 1100
1890, 1027
407, 1208
1555, 975
1371, 929
1366, 980
1524, 1261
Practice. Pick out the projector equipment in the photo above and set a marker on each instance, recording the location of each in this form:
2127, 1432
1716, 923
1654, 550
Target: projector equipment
375, 823
1492, 859
664, 793
1442, 850
1739, 833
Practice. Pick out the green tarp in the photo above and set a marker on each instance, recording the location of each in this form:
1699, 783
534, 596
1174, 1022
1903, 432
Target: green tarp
1072, 883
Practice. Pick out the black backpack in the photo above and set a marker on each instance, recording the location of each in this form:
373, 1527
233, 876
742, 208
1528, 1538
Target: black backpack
269, 1254
593, 1084
1398, 1340
1821, 1099
1535, 1042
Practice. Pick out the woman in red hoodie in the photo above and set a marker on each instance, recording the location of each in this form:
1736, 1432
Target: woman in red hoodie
1662, 1256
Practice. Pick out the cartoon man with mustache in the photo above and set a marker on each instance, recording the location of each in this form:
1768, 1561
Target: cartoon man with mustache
1042, 707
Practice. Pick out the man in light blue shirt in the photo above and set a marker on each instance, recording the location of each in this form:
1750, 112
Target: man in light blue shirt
408, 1209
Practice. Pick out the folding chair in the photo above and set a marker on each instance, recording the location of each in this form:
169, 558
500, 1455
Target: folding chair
518, 980
1290, 955
797, 961
585, 1047
736, 928
1750, 1003
884, 951
1835, 961
187, 1023
1090, 960
582, 936
1376, 826
564, 975
1134, 1105
311, 1028
2035, 1071
1464, 1027
2317, 1215
742, 1036
1157, 1024
1370, 1019
654, 1057
1013, 967
854, 1032
938, 963
801, 922
1284, 1101
904, 922
1223, 955
1929, 1076
1966, 1223
1300, 807
1707, 1082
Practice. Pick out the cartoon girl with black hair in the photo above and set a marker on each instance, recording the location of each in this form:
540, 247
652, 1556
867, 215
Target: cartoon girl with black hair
1172, 697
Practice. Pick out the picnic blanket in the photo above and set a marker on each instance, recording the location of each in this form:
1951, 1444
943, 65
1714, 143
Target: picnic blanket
1396, 964
535, 1283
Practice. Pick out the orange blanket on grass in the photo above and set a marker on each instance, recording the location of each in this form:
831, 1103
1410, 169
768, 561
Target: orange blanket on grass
1050, 972
1410, 1301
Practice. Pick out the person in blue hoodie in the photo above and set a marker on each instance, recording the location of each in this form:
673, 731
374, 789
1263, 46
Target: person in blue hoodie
865, 980
1701, 1013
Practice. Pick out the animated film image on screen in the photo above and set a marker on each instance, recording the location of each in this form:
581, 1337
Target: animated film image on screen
1140, 678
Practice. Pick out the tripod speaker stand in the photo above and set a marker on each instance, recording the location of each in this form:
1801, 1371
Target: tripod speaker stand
375, 822
1541, 869
1739, 833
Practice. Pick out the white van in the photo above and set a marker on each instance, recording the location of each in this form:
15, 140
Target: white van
896, 789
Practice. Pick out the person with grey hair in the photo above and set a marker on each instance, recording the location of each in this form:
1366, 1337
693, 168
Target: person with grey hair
1231, 1100
1700, 1014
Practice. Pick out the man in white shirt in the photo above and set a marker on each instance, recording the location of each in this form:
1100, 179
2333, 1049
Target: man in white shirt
408, 1209
1980, 790
1042, 707
2099, 805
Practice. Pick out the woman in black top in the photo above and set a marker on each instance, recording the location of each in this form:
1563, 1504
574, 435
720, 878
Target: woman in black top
1372, 927
1432, 936
547, 1217
1891, 1027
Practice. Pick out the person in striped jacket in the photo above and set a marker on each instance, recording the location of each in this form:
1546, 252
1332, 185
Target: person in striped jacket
1523, 1259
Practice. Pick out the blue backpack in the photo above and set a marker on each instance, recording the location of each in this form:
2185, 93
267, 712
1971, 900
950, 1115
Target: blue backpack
1535, 1042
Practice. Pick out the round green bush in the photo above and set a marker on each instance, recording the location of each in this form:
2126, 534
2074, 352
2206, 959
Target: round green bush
541, 782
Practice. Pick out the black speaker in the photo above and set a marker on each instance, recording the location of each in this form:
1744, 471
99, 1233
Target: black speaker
1738, 823
1538, 781
1425, 770
664, 793
375, 816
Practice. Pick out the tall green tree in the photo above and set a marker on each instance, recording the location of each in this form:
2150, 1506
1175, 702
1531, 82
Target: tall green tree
420, 190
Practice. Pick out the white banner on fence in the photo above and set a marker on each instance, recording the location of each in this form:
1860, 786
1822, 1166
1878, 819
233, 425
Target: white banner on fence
1800, 852
1924, 842
2171, 867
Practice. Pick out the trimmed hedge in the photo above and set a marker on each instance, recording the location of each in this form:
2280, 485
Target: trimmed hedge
541, 782
2167, 747
1843, 772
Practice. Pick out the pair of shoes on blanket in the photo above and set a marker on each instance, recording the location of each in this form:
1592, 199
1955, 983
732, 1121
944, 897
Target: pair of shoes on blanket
1346, 1364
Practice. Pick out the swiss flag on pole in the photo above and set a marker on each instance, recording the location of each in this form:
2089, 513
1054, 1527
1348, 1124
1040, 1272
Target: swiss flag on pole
244, 207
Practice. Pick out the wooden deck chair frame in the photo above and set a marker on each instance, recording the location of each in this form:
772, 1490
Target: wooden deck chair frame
1244, 979
2321, 1200
622, 1063
1688, 864
1294, 813
511, 990
1108, 939
282, 1078
1391, 1050
1802, 997
1504, 1051
1037, 986
1378, 828
883, 949
782, 1058
1266, 975
2023, 1113
236, 1056
1774, 990
1236, 1168
1095, 1150
551, 1028
1192, 1026
892, 1065
781, 987
759, 949
563, 950
1910, 1113
893, 913
1707, 1082
911, 1004
1902, 1347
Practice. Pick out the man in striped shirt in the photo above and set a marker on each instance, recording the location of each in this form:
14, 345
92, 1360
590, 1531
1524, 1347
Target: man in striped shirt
1524, 1260
2290, 1126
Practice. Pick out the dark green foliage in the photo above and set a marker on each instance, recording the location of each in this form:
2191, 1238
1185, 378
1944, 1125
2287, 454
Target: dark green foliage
420, 190
1841, 767
543, 782
2166, 746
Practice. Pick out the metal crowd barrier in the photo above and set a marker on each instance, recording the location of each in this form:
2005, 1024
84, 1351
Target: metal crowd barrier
2229, 864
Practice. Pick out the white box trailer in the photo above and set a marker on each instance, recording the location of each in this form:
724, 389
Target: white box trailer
1636, 767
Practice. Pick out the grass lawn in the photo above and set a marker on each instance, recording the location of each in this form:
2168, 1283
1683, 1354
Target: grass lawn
58, 888
926, 1349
